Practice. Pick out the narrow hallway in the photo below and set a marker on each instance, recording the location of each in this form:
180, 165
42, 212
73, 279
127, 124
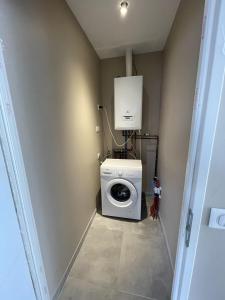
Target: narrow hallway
120, 259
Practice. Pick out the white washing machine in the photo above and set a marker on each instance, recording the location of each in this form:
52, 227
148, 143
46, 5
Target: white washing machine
121, 188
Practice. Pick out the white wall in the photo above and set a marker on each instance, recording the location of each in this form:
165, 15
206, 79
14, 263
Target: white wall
178, 89
53, 73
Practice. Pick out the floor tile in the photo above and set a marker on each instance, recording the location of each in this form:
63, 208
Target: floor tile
76, 289
123, 296
121, 260
144, 267
147, 227
98, 260
107, 222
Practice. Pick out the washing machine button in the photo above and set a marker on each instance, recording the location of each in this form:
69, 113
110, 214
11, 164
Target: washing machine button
120, 173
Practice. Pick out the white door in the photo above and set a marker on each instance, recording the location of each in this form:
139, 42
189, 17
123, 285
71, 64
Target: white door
15, 279
205, 117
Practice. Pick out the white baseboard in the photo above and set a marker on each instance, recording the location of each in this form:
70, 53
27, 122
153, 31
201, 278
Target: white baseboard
66, 273
167, 243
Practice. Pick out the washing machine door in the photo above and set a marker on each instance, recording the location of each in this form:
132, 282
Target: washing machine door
121, 193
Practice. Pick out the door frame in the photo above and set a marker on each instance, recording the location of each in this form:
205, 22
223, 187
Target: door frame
18, 180
209, 84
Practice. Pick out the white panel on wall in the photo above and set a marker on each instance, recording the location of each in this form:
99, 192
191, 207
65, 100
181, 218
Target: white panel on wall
128, 94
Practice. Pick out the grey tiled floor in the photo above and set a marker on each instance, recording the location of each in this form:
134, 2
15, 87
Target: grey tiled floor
121, 260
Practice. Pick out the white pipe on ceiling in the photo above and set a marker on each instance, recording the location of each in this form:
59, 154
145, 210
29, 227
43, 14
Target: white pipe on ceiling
129, 62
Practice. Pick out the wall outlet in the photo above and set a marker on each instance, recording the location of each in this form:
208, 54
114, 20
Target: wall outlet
97, 128
98, 155
217, 218
99, 107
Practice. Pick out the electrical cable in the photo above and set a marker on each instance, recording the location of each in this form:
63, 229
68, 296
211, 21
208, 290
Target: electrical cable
132, 155
104, 157
132, 151
140, 144
110, 130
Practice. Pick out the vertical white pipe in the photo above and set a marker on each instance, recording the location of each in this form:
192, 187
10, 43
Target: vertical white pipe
129, 62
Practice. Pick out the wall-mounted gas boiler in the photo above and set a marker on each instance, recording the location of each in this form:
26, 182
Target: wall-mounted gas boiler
128, 92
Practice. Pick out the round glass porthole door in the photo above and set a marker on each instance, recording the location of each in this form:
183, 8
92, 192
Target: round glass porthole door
121, 193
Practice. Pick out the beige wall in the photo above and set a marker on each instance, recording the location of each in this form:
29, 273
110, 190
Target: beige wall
54, 79
178, 89
208, 276
150, 66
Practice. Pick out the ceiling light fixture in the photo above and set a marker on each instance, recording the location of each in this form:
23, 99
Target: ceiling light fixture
123, 8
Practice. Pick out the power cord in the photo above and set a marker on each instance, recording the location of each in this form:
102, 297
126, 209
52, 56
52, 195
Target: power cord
110, 130
140, 144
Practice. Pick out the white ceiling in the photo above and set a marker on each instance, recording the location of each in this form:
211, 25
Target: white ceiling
145, 27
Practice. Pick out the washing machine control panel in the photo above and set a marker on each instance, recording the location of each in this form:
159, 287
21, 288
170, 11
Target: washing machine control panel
107, 172
121, 168
122, 173
112, 172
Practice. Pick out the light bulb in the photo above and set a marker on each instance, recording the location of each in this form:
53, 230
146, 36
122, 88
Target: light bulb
123, 8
